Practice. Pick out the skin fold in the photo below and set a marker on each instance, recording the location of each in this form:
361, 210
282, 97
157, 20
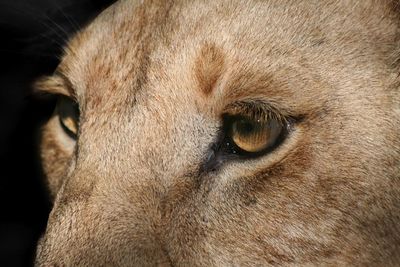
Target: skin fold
145, 181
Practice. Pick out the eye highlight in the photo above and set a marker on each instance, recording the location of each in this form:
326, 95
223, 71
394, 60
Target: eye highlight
68, 113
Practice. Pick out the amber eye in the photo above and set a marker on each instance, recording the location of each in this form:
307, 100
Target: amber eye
68, 113
255, 135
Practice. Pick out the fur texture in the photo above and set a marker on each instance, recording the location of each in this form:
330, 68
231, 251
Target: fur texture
153, 78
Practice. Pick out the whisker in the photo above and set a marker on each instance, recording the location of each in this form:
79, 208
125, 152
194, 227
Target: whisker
73, 23
18, 52
56, 33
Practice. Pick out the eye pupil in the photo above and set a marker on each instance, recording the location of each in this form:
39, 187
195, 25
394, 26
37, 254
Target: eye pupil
245, 127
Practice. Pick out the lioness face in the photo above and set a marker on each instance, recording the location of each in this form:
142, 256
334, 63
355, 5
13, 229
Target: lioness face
228, 133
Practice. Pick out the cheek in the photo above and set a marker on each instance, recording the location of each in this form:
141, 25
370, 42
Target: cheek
55, 156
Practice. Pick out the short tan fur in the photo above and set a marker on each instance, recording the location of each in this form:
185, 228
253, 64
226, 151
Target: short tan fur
153, 80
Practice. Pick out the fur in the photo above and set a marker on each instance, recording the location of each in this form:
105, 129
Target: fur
153, 78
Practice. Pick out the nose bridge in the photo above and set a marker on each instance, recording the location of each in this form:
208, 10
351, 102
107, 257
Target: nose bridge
93, 222
139, 139
120, 131
114, 192
126, 169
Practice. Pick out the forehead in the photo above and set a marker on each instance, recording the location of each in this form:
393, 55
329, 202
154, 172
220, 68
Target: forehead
222, 49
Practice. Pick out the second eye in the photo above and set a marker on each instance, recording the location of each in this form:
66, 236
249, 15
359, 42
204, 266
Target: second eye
68, 112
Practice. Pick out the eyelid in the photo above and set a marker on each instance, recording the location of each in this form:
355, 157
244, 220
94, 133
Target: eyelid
56, 84
257, 109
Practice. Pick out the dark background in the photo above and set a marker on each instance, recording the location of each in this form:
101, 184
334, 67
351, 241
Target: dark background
32, 33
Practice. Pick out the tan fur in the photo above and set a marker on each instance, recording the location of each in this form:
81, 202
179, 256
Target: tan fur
153, 79
208, 68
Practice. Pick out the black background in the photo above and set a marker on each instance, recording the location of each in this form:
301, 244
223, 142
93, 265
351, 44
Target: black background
31, 35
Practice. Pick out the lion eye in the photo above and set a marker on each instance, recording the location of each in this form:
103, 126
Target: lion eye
68, 113
250, 135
